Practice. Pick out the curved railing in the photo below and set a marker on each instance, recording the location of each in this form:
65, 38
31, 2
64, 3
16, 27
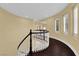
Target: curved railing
42, 41
22, 41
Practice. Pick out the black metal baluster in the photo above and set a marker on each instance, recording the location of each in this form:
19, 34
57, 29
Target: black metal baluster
44, 35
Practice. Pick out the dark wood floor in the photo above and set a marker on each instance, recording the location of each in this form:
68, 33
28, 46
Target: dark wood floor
56, 48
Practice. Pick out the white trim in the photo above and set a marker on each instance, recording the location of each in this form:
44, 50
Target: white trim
65, 23
69, 45
76, 20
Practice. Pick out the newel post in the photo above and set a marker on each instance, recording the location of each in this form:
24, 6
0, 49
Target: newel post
30, 52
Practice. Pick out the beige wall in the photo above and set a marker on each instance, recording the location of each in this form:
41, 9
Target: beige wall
69, 39
12, 30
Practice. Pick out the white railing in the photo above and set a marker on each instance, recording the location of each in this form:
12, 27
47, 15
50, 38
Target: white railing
40, 41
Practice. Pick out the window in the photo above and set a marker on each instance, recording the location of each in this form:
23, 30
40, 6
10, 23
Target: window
66, 18
57, 25
75, 20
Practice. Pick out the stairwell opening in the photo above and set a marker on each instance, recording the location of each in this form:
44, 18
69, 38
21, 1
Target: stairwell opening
59, 48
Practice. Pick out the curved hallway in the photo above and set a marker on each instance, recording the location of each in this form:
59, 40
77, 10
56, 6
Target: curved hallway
56, 48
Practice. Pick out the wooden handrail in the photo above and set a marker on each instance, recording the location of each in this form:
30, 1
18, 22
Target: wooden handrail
22, 41
30, 34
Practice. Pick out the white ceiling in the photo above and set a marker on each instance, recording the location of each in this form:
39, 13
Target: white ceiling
34, 10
